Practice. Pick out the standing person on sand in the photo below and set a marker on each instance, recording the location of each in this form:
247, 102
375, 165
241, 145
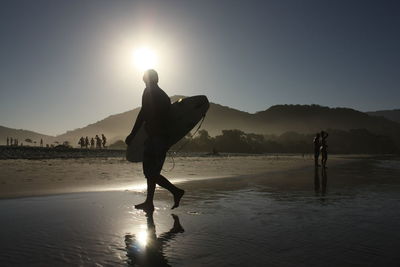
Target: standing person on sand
98, 141
81, 142
104, 140
87, 142
324, 148
317, 147
153, 114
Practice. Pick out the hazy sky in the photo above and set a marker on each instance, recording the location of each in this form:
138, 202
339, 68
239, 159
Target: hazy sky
65, 64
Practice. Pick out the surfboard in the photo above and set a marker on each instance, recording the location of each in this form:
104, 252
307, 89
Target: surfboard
184, 115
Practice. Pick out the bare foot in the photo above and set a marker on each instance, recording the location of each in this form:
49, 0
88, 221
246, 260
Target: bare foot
145, 206
177, 198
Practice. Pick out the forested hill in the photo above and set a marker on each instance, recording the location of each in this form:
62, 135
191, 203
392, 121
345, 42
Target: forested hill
393, 114
312, 118
304, 119
275, 120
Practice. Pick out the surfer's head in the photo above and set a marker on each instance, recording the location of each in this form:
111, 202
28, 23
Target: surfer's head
150, 77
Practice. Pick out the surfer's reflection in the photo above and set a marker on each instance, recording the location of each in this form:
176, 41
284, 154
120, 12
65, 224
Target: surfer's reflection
320, 186
145, 248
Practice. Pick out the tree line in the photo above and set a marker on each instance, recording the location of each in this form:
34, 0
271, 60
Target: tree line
357, 141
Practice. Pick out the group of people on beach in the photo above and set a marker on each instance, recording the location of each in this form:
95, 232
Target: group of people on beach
321, 147
95, 142
11, 141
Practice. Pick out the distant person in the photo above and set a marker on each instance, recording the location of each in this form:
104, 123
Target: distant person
317, 147
87, 142
92, 143
81, 142
104, 140
41, 142
153, 114
11, 141
98, 141
324, 148
8, 141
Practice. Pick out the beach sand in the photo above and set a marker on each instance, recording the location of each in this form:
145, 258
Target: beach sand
262, 212
20, 178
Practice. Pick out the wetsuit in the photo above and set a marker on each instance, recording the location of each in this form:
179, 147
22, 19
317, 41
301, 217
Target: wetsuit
155, 110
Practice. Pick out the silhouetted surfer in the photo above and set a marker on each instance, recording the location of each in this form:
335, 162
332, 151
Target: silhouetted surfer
317, 146
155, 108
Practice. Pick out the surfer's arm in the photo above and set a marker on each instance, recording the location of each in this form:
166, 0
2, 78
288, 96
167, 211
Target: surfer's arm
138, 123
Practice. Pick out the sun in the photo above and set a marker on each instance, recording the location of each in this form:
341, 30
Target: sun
144, 58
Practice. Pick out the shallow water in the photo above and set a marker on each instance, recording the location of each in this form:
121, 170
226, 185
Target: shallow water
349, 217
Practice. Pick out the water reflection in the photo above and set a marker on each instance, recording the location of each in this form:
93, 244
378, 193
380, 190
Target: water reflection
145, 248
324, 180
320, 185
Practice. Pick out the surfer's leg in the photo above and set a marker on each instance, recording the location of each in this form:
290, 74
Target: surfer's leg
164, 182
175, 191
148, 205
151, 187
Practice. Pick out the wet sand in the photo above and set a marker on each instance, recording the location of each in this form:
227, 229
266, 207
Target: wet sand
346, 216
23, 178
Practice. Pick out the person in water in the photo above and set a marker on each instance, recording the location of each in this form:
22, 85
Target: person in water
317, 147
153, 115
324, 148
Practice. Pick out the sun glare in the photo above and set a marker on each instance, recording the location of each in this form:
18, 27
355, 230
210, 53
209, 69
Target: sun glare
142, 238
144, 58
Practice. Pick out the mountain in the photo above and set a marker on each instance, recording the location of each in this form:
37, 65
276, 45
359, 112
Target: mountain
274, 120
21, 135
313, 118
118, 126
393, 114
115, 127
